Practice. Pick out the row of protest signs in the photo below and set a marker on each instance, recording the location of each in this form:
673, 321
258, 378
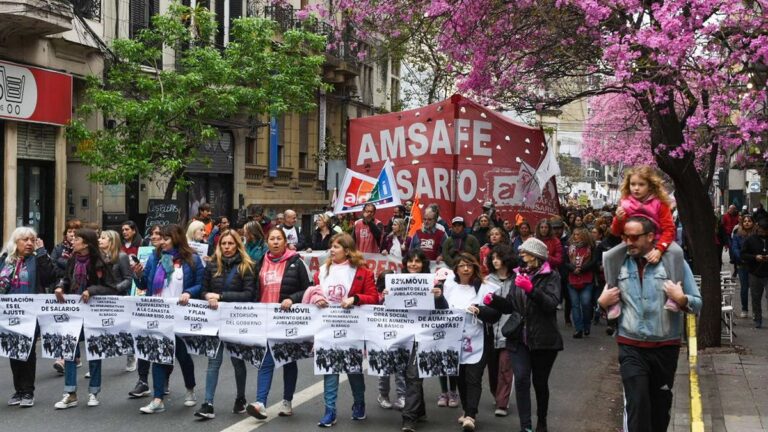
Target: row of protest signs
150, 328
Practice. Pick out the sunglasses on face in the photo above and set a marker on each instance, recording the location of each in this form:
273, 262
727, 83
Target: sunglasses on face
632, 237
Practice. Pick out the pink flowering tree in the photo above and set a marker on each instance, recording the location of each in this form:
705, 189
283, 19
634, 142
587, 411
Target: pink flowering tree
690, 74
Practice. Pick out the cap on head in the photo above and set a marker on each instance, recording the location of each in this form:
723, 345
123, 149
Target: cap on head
457, 220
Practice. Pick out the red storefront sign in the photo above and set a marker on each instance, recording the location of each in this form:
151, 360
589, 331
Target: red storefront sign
35, 95
458, 154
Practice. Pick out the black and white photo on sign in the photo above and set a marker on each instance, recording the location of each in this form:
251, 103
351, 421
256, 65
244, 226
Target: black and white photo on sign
106, 328
198, 326
460, 298
291, 332
389, 336
17, 326
339, 340
243, 328
439, 342
60, 326
409, 291
152, 322
252, 354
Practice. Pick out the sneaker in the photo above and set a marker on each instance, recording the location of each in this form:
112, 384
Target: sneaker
153, 407
239, 407
442, 401
329, 418
744, 314
257, 410
28, 400
453, 400
130, 363
399, 403
500, 412
87, 374
578, 335
93, 401
205, 411
286, 409
15, 399
79, 363
468, 424
587, 332
408, 427
758, 323
190, 398
68, 401
461, 419
141, 390
58, 366
384, 402
358, 411
672, 305
614, 311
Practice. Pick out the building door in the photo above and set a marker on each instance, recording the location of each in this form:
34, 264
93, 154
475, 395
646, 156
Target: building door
35, 195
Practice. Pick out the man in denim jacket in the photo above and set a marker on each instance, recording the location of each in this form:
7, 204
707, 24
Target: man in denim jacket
649, 335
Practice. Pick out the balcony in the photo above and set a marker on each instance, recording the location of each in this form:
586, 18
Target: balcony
34, 17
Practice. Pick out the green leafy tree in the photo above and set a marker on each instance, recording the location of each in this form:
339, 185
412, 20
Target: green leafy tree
162, 115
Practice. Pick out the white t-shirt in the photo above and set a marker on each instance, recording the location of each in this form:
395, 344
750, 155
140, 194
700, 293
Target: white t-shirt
291, 234
337, 282
175, 286
461, 297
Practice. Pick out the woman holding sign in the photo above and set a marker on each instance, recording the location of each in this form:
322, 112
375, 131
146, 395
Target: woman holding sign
344, 279
230, 277
282, 279
533, 343
466, 291
174, 271
88, 275
25, 268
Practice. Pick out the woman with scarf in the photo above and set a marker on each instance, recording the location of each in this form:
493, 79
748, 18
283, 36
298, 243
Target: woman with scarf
345, 280
496, 236
87, 275
581, 264
282, 278
466, 291
534, 343
230, 277
118, 261
174, 271
255, 245
25, 268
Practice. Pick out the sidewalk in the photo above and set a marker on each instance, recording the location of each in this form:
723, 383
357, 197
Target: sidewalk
733, 382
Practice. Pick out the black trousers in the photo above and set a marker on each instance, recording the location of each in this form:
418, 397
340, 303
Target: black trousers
531, 365
143, 367
648, 375
414, 392
471, 383
24, 373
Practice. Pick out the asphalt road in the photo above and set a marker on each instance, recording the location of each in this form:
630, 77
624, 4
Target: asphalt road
584, 386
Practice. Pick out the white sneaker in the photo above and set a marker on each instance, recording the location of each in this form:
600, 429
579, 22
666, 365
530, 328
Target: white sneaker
744, 314
130, 363
257, 410
87, 375
190, 398
384, 402
399, 403
92, 400
153, 407
68, 401
286, 409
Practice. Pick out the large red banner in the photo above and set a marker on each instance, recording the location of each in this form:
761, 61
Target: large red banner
36, 95
458, 154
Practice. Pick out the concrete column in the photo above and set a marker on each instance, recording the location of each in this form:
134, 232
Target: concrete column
11, 172
60, 188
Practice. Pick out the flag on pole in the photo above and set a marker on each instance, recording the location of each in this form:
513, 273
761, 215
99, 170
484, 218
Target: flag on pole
335, 197
359, 189
548, 168
416, 220
385, 190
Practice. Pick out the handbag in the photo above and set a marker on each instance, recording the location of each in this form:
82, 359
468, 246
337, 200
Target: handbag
513, 325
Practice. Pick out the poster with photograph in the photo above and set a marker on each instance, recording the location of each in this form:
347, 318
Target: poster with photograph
198, 326
18, 321
243, 329
409, 291
291, 332
143, 255
152, 320
60, 325
106, 327
339, 341
389, 336
438, 341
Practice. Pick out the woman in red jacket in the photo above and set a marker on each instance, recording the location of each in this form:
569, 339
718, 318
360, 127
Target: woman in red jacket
554, 245
345, 280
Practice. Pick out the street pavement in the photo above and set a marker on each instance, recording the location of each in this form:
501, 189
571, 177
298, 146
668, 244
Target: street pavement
584, 386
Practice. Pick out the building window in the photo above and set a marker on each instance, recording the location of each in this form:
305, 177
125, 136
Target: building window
141, 13
250, 150
304, 141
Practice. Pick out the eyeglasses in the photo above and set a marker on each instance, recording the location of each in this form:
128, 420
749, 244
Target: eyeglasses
632, 237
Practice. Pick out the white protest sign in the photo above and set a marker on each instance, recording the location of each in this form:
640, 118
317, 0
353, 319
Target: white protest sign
339, 343
291, 332
152, 320
18, 321
60, 325
409, 291
197, 325
106, 327
243, 328
389, 335
438, 342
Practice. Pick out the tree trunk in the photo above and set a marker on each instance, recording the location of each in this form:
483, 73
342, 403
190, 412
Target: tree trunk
171, 186
697, 215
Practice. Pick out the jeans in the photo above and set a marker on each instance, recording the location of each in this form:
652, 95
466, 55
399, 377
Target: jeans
744, 282
581, 302
648, 375
70, 374
331, 389
161, 372
264, 380
384, 385
212, 375
536, 364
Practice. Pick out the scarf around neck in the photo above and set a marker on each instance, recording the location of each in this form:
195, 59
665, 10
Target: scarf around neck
82, 263
164, 270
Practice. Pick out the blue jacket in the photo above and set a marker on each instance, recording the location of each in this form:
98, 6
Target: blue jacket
643, 317
193, 278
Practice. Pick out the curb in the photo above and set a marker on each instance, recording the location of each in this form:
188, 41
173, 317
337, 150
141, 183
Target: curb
697, 422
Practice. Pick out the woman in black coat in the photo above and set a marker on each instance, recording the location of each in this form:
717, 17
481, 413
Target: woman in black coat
230, 277
534, 344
